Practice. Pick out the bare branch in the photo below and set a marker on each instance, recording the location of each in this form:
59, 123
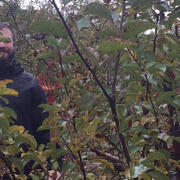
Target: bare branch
118, 55
122, 18
109, 157
156, 34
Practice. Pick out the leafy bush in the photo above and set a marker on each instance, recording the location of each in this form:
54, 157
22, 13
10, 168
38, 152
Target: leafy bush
117, 110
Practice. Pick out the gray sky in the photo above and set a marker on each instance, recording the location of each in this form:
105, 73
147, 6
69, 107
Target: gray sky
26, 2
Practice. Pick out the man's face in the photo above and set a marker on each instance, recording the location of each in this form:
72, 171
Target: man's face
7, 49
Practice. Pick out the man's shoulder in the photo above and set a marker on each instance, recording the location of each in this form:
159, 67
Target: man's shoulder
26, 77
24, 81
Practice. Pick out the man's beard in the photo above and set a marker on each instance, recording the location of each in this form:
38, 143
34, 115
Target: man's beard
7, 61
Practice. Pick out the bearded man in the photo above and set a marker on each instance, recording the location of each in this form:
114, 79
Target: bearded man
30, 95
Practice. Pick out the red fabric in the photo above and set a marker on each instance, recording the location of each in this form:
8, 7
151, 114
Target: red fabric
51, 100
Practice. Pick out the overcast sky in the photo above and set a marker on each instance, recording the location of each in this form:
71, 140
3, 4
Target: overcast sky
26, 2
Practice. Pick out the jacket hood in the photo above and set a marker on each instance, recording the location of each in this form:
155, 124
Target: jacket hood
9, 70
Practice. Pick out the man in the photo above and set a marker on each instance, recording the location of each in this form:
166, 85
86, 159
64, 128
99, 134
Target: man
30, 95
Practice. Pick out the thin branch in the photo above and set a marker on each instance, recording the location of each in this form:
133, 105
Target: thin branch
113, 102
112, 144
20, 32
69, 149
82, 165
62, 69
148, 91
109, 157
78, 51
115, 75
151, 100
156, 34
118, 55
79, 153
122, 18
110, 100
177, 31
134, 58
120, 135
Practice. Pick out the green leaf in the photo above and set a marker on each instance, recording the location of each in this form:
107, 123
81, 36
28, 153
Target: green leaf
176, 101
175, 14
65, 2
98, 10
34, 177
90, 129
56, 43
158, 175
134, 28
130, 67
83, 23
106, 32
165, 98
87, 101
138, 170
8, 91
71, 58
18, 164
8, 113
58, 153
13, 150
156, 156
177, 139
4, 124
32, 156
49, 108
26, 139
122, 110
142, 4
115, 16
150, 56
111, 47
145, 176
46, 55
4, 99
175, 3
161, 67
163, 6
49, 27
132, 149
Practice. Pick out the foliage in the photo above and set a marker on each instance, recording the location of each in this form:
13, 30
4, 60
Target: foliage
117, 110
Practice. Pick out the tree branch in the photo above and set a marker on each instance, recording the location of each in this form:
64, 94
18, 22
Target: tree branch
112, 144
78, 51
110, 100
81, 164
156, 33
62, 69
148, 91
122, 18
118, 55
109, 157
21, 34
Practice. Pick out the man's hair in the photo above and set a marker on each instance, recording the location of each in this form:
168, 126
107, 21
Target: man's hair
6, 25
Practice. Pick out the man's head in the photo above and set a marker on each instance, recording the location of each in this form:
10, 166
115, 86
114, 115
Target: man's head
7, 39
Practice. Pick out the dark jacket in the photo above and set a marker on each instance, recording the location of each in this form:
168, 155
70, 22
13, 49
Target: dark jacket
26, 103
